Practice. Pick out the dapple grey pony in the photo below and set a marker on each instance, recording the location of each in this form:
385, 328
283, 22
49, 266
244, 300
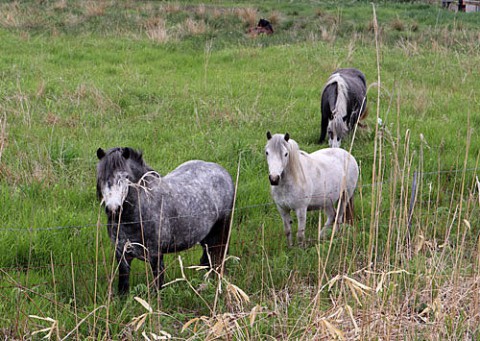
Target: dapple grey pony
344, 103
317, 181
150, 215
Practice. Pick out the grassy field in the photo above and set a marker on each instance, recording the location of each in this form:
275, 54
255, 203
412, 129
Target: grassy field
184, 80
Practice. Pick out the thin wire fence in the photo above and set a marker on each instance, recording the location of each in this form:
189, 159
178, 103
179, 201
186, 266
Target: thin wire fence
238, 209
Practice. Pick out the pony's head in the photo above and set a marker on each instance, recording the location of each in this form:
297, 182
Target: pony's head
280, 151
116, 169
337, 129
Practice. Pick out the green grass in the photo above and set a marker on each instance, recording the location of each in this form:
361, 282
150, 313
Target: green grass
75, 76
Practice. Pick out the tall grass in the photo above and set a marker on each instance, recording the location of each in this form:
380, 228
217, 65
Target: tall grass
76, 76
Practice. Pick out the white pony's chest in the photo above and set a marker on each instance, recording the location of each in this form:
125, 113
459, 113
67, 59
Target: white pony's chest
292, 196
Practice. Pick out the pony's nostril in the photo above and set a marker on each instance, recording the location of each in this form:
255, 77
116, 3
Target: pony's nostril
274, 179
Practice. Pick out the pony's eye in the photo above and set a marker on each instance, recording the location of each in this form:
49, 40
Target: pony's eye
266, 153
286, 154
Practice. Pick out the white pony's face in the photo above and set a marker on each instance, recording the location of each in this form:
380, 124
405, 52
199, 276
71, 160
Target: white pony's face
114, 191
334, 140
277, 155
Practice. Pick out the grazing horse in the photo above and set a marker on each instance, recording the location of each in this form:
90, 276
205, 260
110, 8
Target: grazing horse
317, 181
344, 102
150, 215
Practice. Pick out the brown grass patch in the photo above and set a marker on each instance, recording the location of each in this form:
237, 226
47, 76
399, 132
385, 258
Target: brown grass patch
193, 27
201, 10
95, 8
248, 15
156, 30
397, 24
10, 15
171, 8
60, 5
275, 18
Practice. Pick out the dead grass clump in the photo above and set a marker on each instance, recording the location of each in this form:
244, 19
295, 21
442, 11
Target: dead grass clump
10, 15
410, 48
156, 30
60, 5
171, 8
51, 119
397, 25
193, 27
85, 92
201, 10
95, 8
275, 18
247, 15
42, 173
328, 34
216, 13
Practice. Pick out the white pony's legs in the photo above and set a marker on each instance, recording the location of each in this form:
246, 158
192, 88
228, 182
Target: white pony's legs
287, 224
302, 221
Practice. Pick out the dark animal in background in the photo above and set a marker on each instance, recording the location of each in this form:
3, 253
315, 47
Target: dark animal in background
150, 215
344, 103
263, 27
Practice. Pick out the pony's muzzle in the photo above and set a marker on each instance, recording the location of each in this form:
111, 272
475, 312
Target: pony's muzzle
274, 179
111, 210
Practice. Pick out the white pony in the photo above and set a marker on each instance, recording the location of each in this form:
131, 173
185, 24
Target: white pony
301, 181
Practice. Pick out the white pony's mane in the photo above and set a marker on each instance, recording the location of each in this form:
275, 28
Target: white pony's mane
294, 161
340, 111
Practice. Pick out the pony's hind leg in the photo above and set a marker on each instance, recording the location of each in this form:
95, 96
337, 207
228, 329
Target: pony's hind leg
331, 213
215, 242
349, 211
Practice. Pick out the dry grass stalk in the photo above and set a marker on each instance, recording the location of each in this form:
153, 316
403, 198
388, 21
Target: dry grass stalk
3, 134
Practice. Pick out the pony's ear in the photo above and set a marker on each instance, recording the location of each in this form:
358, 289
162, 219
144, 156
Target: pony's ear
287, 137
126, 152
269, 135
100, 153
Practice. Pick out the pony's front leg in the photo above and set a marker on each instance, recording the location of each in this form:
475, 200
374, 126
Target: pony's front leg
158, 270
287, 224
124, 262
302, 221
